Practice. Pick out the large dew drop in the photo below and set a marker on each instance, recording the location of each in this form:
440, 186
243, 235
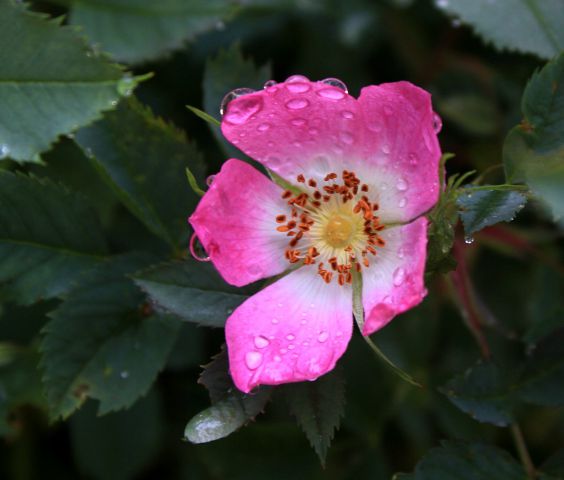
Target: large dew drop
261, 342
194, 247
437, 123
297, 104
335, 82
253, 360
232, 95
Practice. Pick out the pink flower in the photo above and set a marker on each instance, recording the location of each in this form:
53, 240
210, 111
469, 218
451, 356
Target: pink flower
364, 171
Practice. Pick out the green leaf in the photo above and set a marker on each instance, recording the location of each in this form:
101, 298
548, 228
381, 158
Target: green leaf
482, 393
191, 290
215, 376
534, 151
114, 447
226, 72
134, 31
51, 83
145, 164
527, 26
20, 384
456, 460
48, 237
546, 305
104, 341
541, 380
480, 209
554, 465
318, 407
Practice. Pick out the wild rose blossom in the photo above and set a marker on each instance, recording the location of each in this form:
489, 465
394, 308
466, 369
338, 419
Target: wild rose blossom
362, 172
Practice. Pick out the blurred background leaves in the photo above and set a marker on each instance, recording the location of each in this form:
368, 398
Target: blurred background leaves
101, 312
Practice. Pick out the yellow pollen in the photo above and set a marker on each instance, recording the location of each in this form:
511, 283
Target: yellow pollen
338, 231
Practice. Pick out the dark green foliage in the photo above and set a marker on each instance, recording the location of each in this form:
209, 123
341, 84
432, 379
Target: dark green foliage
483, 208
104, 341
48, 238
63, 71
318, 407
193, 291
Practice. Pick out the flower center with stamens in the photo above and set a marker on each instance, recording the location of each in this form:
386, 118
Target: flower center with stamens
333, 226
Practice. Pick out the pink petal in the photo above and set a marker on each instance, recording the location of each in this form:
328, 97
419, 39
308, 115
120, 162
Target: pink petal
401, 117
295, 329
235, 222
386, 137
394, 282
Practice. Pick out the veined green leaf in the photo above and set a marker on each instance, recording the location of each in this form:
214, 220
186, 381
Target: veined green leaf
534, 151
192, 291
104, 341
51, 83
48, 237
145, 165
138, 30
528, 26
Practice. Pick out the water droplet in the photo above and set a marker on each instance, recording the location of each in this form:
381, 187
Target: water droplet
437, 123
124, 374
322, 337
290, 337
126, 85
210, 180
383, 186
402, 203
270, 83
401, 252
113, 103
388, 110
277, 358
232, 95
313, 131
399, 276
335, 82
346, 114
412, 158
283, 351
401, 184
374, 126
275, 321
314, 361
291, 346
253, 360
468, 239
4, 151
346, 138
297, 87
297, 103
303, 321
385, 149
297, 78
332, 93
263, 127
193, 249
261, 342
298, 122
220, 25
279, 305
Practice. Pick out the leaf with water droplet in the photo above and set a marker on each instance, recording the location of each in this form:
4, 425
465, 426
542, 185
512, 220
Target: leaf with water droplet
483, 208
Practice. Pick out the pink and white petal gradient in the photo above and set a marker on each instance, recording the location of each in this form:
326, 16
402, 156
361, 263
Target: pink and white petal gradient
386, 137
394, 282
295, 329
235, 222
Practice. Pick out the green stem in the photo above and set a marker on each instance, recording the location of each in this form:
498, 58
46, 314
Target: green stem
504, 186
523, 451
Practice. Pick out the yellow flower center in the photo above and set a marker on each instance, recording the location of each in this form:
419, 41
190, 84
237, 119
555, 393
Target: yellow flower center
338, 231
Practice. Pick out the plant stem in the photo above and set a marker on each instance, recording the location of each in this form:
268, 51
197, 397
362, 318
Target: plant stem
504, 186
523, 451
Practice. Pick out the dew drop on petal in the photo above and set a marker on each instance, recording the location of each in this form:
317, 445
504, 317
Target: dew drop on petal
194, 247
314, 361
298, 87
210, 180
297, 103
239, 112
261, 342
297, 78
270, 83
277, 358
335, 82
402, 203
386, 149
232, 95
347, 114
290, 337
398, 276
401, 252
437, 123
275, 321
346, 137
332, 93
468, 239
253, 360
412, 158
401, 184
374, 126
263, 127
322, 337
313, 131
298, 122
291, 346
